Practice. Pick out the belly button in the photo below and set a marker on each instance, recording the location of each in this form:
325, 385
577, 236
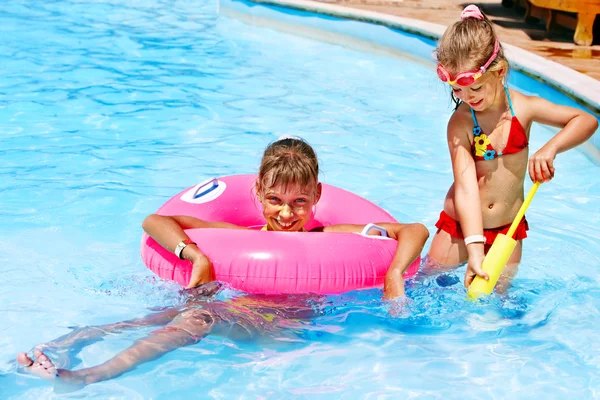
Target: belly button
491, 206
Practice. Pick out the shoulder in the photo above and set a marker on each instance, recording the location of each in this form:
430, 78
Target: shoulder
460, 127
522, 103
460, 121
529, 108
519, 99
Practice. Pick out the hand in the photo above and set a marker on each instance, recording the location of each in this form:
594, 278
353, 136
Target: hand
206, 290
393, 285
393, 293
474, 269
399, 307
541, 164
202, 271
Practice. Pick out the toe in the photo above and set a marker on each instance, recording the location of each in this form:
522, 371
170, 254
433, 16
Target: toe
41, 367
37, 353
24, 360
45, 363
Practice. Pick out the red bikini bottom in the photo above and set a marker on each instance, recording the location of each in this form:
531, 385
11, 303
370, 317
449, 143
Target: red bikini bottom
452, 226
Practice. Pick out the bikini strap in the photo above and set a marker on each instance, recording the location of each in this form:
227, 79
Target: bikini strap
476, 128
474, 117
509, 101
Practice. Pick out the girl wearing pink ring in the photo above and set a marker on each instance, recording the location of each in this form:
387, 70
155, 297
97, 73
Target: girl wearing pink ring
488, 139
287, 188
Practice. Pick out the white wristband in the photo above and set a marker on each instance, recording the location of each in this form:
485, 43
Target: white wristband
474, 239
182, 245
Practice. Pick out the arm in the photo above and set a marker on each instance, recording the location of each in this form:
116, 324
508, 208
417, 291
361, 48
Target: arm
577, 127
169, 231
411, 240
466, 194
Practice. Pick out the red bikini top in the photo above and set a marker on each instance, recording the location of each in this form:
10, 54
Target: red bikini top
517, 138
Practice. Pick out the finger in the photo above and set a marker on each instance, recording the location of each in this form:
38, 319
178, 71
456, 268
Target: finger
476, 270
211, 272
538, 172
480, 273
194, 279
531, 171
469, 278
546, 172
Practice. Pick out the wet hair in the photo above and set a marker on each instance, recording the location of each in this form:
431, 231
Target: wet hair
288, 161
467, 45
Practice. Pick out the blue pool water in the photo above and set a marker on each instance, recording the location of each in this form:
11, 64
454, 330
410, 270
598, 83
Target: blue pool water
108, 108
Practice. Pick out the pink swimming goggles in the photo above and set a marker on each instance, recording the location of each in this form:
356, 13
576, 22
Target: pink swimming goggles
467, 78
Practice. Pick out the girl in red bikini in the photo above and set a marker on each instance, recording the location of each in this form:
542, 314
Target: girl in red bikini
488, 137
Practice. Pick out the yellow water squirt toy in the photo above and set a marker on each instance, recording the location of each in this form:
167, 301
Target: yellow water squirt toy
499, 253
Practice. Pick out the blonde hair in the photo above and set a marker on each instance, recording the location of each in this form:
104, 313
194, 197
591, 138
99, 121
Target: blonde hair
288, 161
468, 44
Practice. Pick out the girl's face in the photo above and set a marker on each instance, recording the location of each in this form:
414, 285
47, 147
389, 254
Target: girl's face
288, 209
482, 93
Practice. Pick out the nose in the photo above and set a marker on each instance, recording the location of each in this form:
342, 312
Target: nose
461, 95
285, 212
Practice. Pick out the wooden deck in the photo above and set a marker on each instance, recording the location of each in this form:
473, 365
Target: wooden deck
556, 45
578, 15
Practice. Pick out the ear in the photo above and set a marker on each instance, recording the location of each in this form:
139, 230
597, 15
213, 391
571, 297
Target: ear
502, 73
318, 194
259, 193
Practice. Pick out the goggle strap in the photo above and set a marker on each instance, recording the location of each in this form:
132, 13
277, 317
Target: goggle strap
492, 57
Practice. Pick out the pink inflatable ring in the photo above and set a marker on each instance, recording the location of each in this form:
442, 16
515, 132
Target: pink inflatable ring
256, 261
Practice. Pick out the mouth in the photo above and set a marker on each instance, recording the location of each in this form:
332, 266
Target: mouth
285, 226
476, 103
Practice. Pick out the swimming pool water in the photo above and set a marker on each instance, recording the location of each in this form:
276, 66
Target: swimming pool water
108, 108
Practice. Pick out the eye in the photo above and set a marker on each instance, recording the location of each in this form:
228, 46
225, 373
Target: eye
455, 90
301, 200
273, 199
476, 89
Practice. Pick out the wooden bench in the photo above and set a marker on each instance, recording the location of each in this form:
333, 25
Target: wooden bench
586, 11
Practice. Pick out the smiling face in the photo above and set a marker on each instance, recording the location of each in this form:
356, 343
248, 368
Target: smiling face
482, 93
287, 184
287, 208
